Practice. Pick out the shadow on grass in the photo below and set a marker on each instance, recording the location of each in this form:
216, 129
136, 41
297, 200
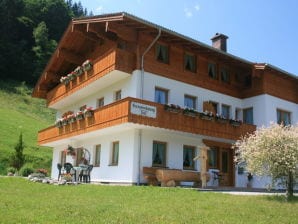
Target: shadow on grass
283, 199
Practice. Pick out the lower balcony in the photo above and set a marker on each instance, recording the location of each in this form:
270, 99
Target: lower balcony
140, 112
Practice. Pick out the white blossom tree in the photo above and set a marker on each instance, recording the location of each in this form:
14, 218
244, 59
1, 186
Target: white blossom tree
271, 151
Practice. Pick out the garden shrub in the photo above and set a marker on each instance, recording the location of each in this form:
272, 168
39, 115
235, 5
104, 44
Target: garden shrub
26, 170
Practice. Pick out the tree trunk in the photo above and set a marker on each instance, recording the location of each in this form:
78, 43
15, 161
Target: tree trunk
290, 185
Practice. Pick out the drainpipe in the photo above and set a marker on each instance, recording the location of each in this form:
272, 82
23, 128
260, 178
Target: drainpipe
142, 96
139, 159
142, 62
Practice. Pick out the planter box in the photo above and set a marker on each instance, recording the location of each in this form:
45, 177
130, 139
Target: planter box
190, 113
222, 120
235, 123
205, 117
89, 113
87, 67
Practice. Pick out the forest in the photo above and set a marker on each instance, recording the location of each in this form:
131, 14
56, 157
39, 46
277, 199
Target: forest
29, 33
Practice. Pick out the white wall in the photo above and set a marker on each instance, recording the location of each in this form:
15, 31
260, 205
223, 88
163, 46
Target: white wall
123, 172
174, 151
177, 90
265, 106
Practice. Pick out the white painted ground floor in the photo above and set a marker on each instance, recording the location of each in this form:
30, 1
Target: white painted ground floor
119, 154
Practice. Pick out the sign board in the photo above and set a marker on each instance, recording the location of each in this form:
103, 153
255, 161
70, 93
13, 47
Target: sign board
143, 109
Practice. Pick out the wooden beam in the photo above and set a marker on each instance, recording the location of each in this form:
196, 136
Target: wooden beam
70, 56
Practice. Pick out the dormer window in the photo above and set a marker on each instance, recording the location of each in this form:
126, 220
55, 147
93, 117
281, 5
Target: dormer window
190, 62
212, 70
162, 53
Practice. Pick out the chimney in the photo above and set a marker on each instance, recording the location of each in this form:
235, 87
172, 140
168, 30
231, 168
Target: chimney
219, 41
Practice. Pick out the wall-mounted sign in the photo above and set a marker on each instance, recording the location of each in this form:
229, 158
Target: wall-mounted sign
143, 109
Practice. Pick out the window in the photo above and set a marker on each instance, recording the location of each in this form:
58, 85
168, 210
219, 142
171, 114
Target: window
213, 157
190, 62
224, 75
190, 101
115, 154
225, 111
97, 155
161, 96
248, 116
162, 53
100, 102
188, 156
159, 154
212, 71
118, 95
283, 117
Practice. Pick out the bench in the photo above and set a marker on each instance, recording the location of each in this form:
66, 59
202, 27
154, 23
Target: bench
150, 175
173, 177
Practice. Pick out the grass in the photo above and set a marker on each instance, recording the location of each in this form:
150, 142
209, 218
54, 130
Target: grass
26, 202
19, 112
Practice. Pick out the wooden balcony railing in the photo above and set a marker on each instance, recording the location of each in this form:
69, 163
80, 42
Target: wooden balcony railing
120, 112
115, 59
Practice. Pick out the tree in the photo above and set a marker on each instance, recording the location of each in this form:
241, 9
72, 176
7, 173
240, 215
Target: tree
271, 151
44, 47
18, 158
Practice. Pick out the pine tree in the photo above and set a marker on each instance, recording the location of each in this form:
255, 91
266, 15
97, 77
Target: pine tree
18, 158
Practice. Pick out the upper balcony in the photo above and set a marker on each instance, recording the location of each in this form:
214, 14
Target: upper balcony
111, 67
135, 112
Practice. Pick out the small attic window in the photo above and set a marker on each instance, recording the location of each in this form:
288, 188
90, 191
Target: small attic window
212, 70
162, 53
190, 62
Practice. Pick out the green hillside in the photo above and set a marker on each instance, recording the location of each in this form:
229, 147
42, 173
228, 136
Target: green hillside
19, 112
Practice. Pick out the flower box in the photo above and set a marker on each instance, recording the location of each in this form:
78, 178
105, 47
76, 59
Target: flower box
80, 115
71, 118
58, 123
172, 108
221, 119
64, 122
206, 116
78, 71
235, 123
71, 76
190, 112
87, 65
88, 112
65, 80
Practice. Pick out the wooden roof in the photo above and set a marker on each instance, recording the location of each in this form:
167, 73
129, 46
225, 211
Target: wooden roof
82, 35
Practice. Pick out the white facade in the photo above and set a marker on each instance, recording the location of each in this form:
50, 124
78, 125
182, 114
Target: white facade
135, 141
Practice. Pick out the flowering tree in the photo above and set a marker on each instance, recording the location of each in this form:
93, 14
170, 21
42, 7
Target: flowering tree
273, 152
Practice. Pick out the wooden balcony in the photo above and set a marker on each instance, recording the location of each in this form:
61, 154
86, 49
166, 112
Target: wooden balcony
114, 60
120, 112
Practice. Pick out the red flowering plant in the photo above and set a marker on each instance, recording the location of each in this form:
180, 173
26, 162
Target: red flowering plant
42, 171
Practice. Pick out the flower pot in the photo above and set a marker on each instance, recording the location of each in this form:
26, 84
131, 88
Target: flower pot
80, 117
190, 113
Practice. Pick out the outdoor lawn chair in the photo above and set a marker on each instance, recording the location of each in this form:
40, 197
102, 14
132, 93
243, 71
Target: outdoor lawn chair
86, 174
59, 166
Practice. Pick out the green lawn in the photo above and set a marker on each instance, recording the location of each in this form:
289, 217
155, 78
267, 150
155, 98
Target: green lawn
26, 202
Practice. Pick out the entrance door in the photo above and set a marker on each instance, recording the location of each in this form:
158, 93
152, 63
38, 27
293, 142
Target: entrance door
226, 167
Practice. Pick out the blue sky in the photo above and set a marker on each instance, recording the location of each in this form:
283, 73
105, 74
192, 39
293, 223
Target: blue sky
258, 30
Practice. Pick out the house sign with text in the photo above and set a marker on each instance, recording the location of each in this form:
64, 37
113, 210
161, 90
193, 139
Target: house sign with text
143, 109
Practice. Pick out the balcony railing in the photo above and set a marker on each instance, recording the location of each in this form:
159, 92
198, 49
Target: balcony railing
145, 113
115, 59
